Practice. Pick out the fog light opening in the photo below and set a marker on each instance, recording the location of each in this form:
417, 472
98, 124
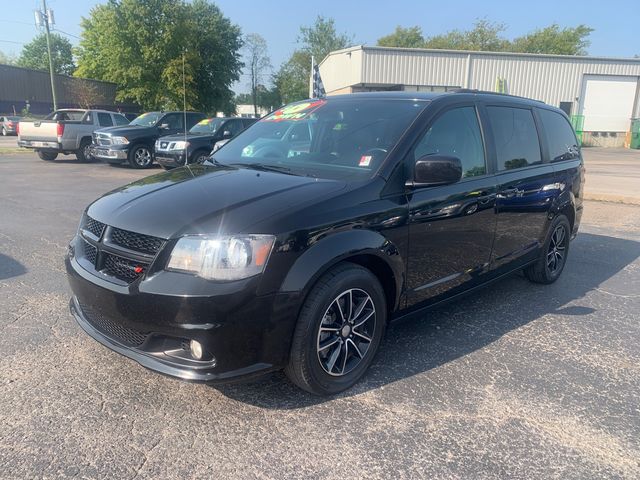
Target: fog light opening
196, 349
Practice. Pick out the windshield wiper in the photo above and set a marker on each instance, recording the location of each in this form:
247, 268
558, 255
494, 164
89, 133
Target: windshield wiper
265, 167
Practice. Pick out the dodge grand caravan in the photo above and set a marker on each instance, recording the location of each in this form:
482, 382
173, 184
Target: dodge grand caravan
296, 254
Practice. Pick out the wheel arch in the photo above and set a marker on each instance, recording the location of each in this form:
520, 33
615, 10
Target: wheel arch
366, 248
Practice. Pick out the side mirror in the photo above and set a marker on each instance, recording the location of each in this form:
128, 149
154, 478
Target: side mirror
164, 126
227, 134
432, 170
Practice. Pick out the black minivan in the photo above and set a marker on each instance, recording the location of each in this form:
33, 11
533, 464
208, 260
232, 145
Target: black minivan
294, 245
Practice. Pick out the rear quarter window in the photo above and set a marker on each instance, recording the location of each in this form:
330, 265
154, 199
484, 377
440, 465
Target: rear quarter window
515, 136
559, 134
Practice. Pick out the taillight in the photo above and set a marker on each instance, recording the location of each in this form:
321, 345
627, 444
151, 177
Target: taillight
18, 128
10, 124
60, 129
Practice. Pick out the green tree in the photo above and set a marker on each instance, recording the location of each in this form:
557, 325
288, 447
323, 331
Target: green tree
257, 61
410, 37
317, 40
555, 40
484, 36
6, 59
35, 54
144, 46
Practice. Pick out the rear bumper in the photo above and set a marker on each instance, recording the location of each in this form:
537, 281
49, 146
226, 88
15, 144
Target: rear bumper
39, 144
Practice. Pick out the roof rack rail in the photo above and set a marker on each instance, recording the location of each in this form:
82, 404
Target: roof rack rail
487, 92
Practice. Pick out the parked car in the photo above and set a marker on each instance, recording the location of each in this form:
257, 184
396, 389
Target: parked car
9, 125
134, 142
65, 131
266, 258
175, 150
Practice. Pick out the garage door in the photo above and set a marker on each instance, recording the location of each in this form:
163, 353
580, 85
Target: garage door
607, 102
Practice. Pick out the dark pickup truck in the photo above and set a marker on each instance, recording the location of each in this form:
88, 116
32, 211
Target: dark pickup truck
176, 150
134, 142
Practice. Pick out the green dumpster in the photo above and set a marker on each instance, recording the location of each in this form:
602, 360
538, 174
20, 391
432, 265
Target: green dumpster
577, 122
635, 134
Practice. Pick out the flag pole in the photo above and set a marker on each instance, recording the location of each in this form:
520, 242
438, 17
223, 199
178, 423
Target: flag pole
311, 78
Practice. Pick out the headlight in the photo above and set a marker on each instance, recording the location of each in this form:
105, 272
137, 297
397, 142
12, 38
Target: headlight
119, 140
181, 145
222, 258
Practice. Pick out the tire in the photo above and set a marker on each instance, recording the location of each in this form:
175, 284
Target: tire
553, 256
199, 156
84, 154
314, 364
4, 132
140, 156
48, 156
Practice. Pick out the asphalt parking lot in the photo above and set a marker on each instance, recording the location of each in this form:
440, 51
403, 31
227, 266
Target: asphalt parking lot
517, 381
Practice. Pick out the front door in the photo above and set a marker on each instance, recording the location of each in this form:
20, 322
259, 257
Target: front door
451, 227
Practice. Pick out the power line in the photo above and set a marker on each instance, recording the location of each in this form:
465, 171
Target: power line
11, 41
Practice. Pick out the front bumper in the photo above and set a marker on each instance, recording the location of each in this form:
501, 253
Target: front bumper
243, 334
170, 159
109, 154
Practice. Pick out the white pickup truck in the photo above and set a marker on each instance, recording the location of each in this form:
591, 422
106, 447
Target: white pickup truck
66, 131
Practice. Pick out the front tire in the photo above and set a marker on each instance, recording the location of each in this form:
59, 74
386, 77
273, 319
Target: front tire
199, 157
48, 156
553, 255
4, 132
140, 156
339, 330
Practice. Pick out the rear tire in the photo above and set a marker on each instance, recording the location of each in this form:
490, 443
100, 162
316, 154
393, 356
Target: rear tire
339, 330
48, 156
553, 254
84, 153
140, 156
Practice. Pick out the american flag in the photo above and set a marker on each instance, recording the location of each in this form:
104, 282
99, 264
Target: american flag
318, 87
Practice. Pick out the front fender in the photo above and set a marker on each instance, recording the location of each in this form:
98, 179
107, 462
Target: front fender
335, 248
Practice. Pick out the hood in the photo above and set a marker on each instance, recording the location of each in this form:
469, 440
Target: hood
206, 199
177, 138
124, 130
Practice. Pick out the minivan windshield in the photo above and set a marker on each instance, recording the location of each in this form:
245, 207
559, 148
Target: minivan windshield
146, 119
208, 125
340, 139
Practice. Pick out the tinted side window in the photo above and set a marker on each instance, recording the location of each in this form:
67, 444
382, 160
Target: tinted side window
104, 119
516, 137
234, 126
559, 134
192, 119
174, 121
456, 133
121, 120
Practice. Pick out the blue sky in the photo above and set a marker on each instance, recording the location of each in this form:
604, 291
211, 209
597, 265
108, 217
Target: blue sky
616, 23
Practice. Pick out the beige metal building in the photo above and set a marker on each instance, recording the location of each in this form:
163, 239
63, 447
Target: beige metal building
602, 93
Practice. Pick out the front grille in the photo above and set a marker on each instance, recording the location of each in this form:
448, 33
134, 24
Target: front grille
90, 252
136, 241
102, 139
93, 226
122, 268
126, 335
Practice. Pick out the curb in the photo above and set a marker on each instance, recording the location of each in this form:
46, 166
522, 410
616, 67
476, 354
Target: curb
605, 197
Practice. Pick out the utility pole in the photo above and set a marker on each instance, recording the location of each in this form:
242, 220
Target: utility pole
46, 16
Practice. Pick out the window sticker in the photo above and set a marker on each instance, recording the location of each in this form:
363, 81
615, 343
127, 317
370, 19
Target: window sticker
298, 111
206, 121
365, 160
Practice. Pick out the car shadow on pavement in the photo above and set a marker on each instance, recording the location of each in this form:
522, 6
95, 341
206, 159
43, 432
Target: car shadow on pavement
449, 332
10, 268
